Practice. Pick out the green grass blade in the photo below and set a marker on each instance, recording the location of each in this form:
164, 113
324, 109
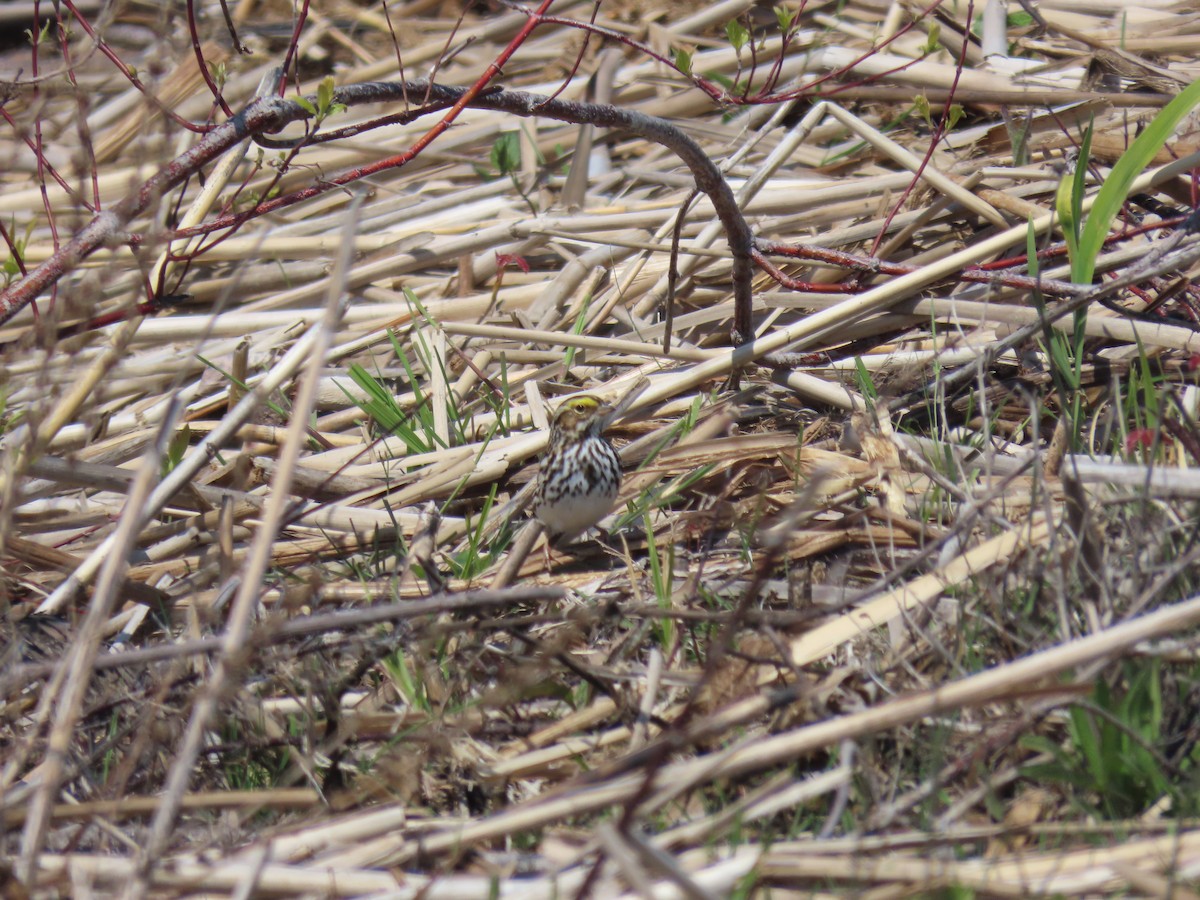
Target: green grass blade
1132, 163
1065, 204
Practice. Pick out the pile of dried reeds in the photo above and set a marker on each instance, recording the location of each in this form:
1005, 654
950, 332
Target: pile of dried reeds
895, 598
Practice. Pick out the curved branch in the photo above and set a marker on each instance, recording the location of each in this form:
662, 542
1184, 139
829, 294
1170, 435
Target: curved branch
708, 177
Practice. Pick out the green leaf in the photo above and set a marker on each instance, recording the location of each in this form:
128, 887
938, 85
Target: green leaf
1064, 208
1041, 744
176, 449
934, 41
785, 17
723, 80
683, 61
577, 328
737, 34
866, 384
219, 73
42, 35
953, 116
1085, 154
307, 106
1031, 248
1083, 729
325, 94
1116, 186
921, 108
506, 153
380, 404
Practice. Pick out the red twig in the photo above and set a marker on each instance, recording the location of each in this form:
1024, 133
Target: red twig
934, 139
395, 43
293, 45
587, 38
126, 71
49, 168
201, 62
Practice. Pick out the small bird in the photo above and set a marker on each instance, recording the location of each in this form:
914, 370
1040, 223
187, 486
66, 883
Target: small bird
581, 472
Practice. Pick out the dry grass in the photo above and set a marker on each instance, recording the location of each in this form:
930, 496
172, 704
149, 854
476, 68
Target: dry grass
907, 612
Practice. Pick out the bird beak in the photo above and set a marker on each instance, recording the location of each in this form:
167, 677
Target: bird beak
613, 411
606, 414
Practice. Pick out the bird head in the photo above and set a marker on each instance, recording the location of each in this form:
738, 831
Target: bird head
578, 417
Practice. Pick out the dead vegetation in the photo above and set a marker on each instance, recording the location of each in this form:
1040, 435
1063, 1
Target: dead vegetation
898, 599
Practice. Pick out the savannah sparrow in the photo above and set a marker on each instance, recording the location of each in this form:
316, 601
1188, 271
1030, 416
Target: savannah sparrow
580, 473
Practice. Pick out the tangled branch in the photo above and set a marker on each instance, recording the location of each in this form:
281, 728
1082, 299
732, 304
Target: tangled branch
268, 115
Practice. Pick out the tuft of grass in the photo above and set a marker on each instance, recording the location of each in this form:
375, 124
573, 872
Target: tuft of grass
381, 405
1111, 762
476, 556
